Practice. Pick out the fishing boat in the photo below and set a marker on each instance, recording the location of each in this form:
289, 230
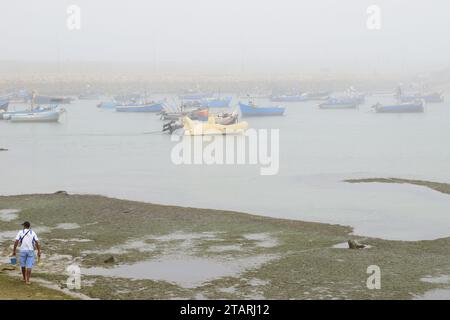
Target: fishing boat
216, 102
339, 103
108, 105
289, 98
250, 110
318, 95
35, 114
200, 114
408, 107
42, 116
435, 97
145, 107
211, 127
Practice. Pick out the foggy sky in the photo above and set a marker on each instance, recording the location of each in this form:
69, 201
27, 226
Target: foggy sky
260, 33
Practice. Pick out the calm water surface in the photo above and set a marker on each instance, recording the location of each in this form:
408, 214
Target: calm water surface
104, 152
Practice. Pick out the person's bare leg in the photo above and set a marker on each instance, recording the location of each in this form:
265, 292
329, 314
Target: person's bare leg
28, 276
24, 273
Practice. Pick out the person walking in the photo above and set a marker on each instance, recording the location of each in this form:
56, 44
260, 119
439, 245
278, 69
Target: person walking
27, 240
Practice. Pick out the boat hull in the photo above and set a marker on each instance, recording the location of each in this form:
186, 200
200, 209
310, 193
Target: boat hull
401, 108
140, 108
251, 111
47, 116
340, 106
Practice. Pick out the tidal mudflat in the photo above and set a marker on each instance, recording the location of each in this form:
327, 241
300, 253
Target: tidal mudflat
135, 250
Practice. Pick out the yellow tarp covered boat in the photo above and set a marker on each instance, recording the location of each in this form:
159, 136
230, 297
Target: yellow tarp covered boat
198, 128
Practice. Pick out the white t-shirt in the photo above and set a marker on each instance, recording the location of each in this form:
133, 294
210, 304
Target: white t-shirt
28, 238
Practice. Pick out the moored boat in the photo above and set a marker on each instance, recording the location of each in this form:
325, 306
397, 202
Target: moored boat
336, 103
250, 110
216, 102
146, 107
211, 127
409, 107
42, 116
107, 105
318, 95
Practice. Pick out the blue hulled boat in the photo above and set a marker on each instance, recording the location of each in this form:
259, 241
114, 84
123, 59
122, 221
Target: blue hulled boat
435, 97
339, 103
250, 110
146, 107
108, 105
216, 102
413, 107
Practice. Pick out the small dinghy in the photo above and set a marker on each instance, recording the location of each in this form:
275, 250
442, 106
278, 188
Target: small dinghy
414, 107
146, 107
251, 110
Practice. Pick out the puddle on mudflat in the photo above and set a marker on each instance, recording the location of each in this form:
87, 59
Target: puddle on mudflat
139, 245
264, 240
183, 270
435, 294
11, 234
68, 226
184, 241
184, 236
258, 282
8, 235
224, 248
7, 215
442, 279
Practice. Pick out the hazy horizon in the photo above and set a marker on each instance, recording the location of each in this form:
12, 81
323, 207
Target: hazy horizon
232, 37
